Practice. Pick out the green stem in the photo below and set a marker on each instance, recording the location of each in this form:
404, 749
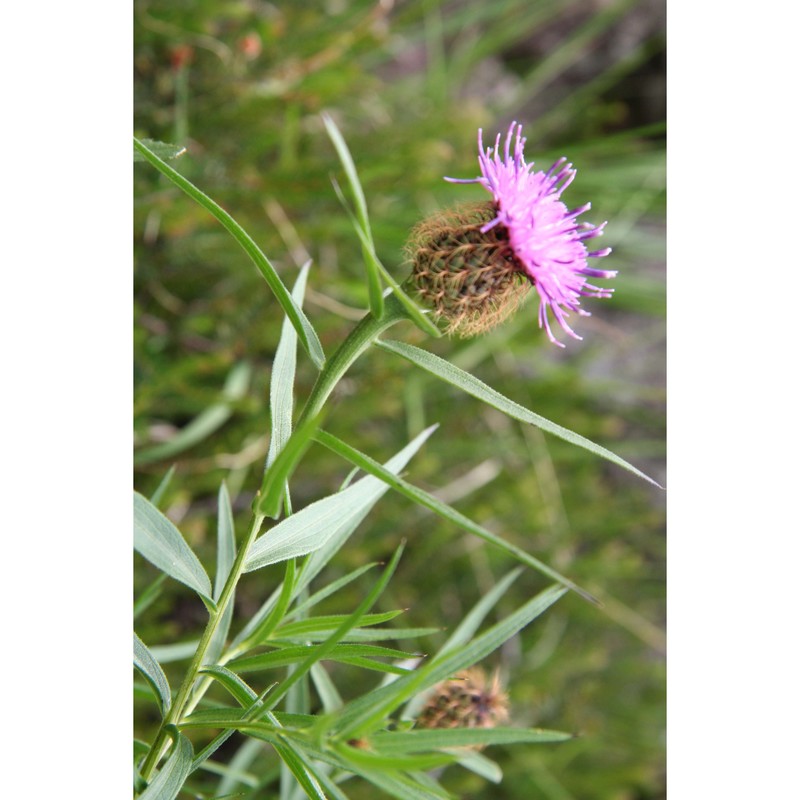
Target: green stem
176, 710
360, 338
367, 330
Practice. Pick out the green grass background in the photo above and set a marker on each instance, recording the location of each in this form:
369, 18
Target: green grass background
242, 86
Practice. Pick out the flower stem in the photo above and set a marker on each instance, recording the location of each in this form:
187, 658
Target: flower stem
360, 338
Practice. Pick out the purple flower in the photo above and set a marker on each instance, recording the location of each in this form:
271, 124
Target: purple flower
545, 237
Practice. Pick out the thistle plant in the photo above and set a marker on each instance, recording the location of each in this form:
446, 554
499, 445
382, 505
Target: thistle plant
417, 714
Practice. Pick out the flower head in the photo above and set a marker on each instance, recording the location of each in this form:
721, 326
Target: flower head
546, 242
466, 273
468, 700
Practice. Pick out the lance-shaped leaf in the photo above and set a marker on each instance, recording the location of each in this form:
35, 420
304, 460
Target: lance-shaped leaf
418, 741
226, 554
281, 384
226, 540
443, 510
310, 528
146, 663
163, 545
269, 499
362, 218
477, 388
170, 778
238, 689
161, 149
205, 423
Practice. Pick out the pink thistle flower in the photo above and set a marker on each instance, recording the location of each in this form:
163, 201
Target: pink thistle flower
546, 239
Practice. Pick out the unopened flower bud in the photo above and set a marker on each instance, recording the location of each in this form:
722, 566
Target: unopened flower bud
468, 700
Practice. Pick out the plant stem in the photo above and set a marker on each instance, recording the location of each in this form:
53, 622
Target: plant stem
360, 338
367, 330
176, 710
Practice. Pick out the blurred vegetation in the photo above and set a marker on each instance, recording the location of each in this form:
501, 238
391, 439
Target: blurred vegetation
241, 84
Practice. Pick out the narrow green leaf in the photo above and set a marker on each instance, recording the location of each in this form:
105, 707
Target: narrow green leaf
281, 384
226, 539
415, 314
447, 664
328, 622
236, 718
161, 543
161, 149
328, 590
268, 624
369, 634
481, 765
400, 785
216, 718
342, 631
415, 786
155, 498
412, 310
170, 778
399, 761
421, 740
257, 708
250, 750
226, 554
317, 560
257, 620
294, 653
350, 170
443, 510
250, 718
170, 653
376, 666
209, 750
300, 768
326, 689
322, 769
269, 500
310, 528
370, 261
237, 688
472, 621
472, 385
205, 423
146, 663
305, 331
148, 596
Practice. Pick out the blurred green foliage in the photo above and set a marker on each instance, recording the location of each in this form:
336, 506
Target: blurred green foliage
241, 85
